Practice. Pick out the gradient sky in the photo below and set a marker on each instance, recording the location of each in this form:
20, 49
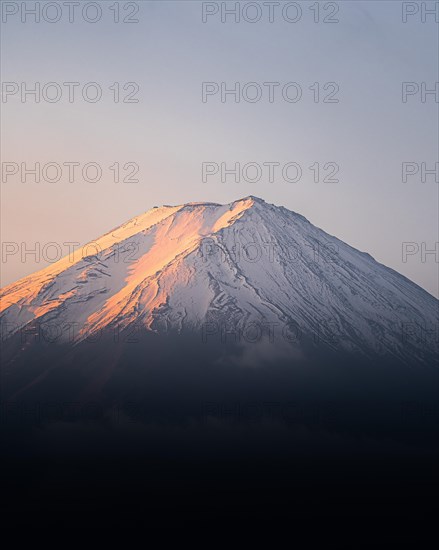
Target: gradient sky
170, 132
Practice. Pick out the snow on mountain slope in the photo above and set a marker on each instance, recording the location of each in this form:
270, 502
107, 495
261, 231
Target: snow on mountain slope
228, 267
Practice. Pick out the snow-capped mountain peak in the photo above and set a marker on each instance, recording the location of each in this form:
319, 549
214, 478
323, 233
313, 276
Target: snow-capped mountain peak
197, 264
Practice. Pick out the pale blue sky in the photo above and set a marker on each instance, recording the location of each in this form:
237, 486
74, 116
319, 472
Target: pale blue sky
170, 132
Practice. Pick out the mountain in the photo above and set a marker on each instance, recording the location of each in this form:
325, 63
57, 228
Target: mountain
241, 271
205, 358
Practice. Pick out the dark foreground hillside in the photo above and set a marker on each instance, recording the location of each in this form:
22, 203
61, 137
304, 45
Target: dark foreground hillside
171, 432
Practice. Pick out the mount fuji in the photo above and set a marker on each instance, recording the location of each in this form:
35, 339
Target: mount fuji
243, 271
235, 349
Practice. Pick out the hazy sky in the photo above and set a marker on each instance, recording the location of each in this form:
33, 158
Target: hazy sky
170, 132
